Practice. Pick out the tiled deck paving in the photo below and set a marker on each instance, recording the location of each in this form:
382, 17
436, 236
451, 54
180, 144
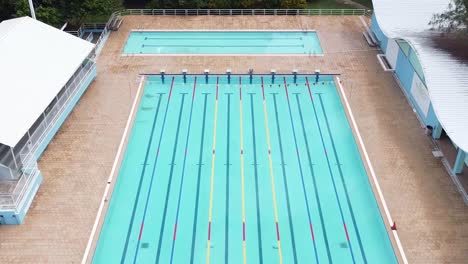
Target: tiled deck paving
432, 218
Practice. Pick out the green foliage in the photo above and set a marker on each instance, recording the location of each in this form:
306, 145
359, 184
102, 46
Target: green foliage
44, 13
7, 9
454, 19
293, 4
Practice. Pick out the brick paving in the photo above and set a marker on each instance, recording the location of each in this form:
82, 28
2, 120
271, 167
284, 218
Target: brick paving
432, 218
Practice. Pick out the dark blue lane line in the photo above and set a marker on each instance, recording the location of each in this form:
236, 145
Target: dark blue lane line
331, 173
197, 196
283, 165
300, 170
342, 180
226, 226
257, 198
183, 169
168, 190
140, 183
324, 231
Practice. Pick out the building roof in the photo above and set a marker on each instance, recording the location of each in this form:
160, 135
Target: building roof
446, 74
36, 61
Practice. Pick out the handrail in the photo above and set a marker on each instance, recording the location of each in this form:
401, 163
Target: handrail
234, 12
30, 169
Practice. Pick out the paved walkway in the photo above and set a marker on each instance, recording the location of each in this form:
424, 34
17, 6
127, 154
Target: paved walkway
432, 219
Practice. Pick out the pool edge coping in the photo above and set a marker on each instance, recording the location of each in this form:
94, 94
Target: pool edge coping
394, 238
112, 179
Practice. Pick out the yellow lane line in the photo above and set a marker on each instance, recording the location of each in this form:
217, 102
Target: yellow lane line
208, 246
272, 176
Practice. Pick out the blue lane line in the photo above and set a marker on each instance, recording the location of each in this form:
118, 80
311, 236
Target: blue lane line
200, 157
342, 180
135, 203
314, 181
171, 172
226, 226
300, 170
259, 227
183, 169
331, 175
293, 240
152, 173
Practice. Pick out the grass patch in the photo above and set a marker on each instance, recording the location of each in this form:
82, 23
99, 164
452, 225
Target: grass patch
327, 4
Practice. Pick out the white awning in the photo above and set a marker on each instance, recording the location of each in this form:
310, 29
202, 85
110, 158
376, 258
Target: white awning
446, 76
36, 61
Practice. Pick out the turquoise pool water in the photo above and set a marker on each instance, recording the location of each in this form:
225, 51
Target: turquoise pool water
228, 42
223, 170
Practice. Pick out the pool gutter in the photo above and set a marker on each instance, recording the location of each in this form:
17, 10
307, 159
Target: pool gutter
393, 234
105, 200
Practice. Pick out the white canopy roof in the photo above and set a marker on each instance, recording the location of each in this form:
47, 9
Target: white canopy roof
446, 76
36, 61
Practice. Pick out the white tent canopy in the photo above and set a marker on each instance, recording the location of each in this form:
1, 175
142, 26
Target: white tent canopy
446, 76
36, 61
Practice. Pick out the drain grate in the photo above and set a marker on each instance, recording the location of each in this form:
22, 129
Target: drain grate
144, 245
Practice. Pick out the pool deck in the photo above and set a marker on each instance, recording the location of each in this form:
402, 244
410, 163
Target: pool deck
431, 217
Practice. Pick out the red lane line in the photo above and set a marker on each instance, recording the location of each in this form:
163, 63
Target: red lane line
240, 88
243, 231
326, 153
277, 232
141, 230
308, 87
286, 88
312, 231
175, 231
217, 82
194, 85
185, 152
157, 152
170, 90
263, 90
209, 230
346, 231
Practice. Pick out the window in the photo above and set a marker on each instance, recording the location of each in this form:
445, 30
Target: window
412, 57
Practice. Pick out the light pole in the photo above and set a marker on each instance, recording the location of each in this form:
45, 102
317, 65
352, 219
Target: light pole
31, 7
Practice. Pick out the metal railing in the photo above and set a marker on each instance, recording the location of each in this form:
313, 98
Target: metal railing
243, 12
28, 153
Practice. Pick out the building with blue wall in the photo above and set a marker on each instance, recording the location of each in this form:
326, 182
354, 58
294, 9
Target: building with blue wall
44, 73
433, 80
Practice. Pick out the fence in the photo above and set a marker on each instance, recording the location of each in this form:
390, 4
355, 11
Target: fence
27, 152
243, 12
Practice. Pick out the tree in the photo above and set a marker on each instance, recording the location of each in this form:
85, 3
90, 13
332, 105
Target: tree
47, 14
293, 4
7, 9
454, 19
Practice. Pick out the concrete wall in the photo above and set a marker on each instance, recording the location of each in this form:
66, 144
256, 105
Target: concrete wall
378, 33
411, 84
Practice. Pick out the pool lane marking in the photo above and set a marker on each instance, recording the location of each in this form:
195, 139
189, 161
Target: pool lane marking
241, 132
228, 145
330, 172
183, 170
213, 157
257, 193
317, 198
140, 183
300, 170
285, 180
348, 200
272, 176
200, 155
117, 162
371, 170
171, 173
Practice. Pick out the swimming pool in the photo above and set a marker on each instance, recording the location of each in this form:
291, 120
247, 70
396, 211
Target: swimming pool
261, 170
223, 42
